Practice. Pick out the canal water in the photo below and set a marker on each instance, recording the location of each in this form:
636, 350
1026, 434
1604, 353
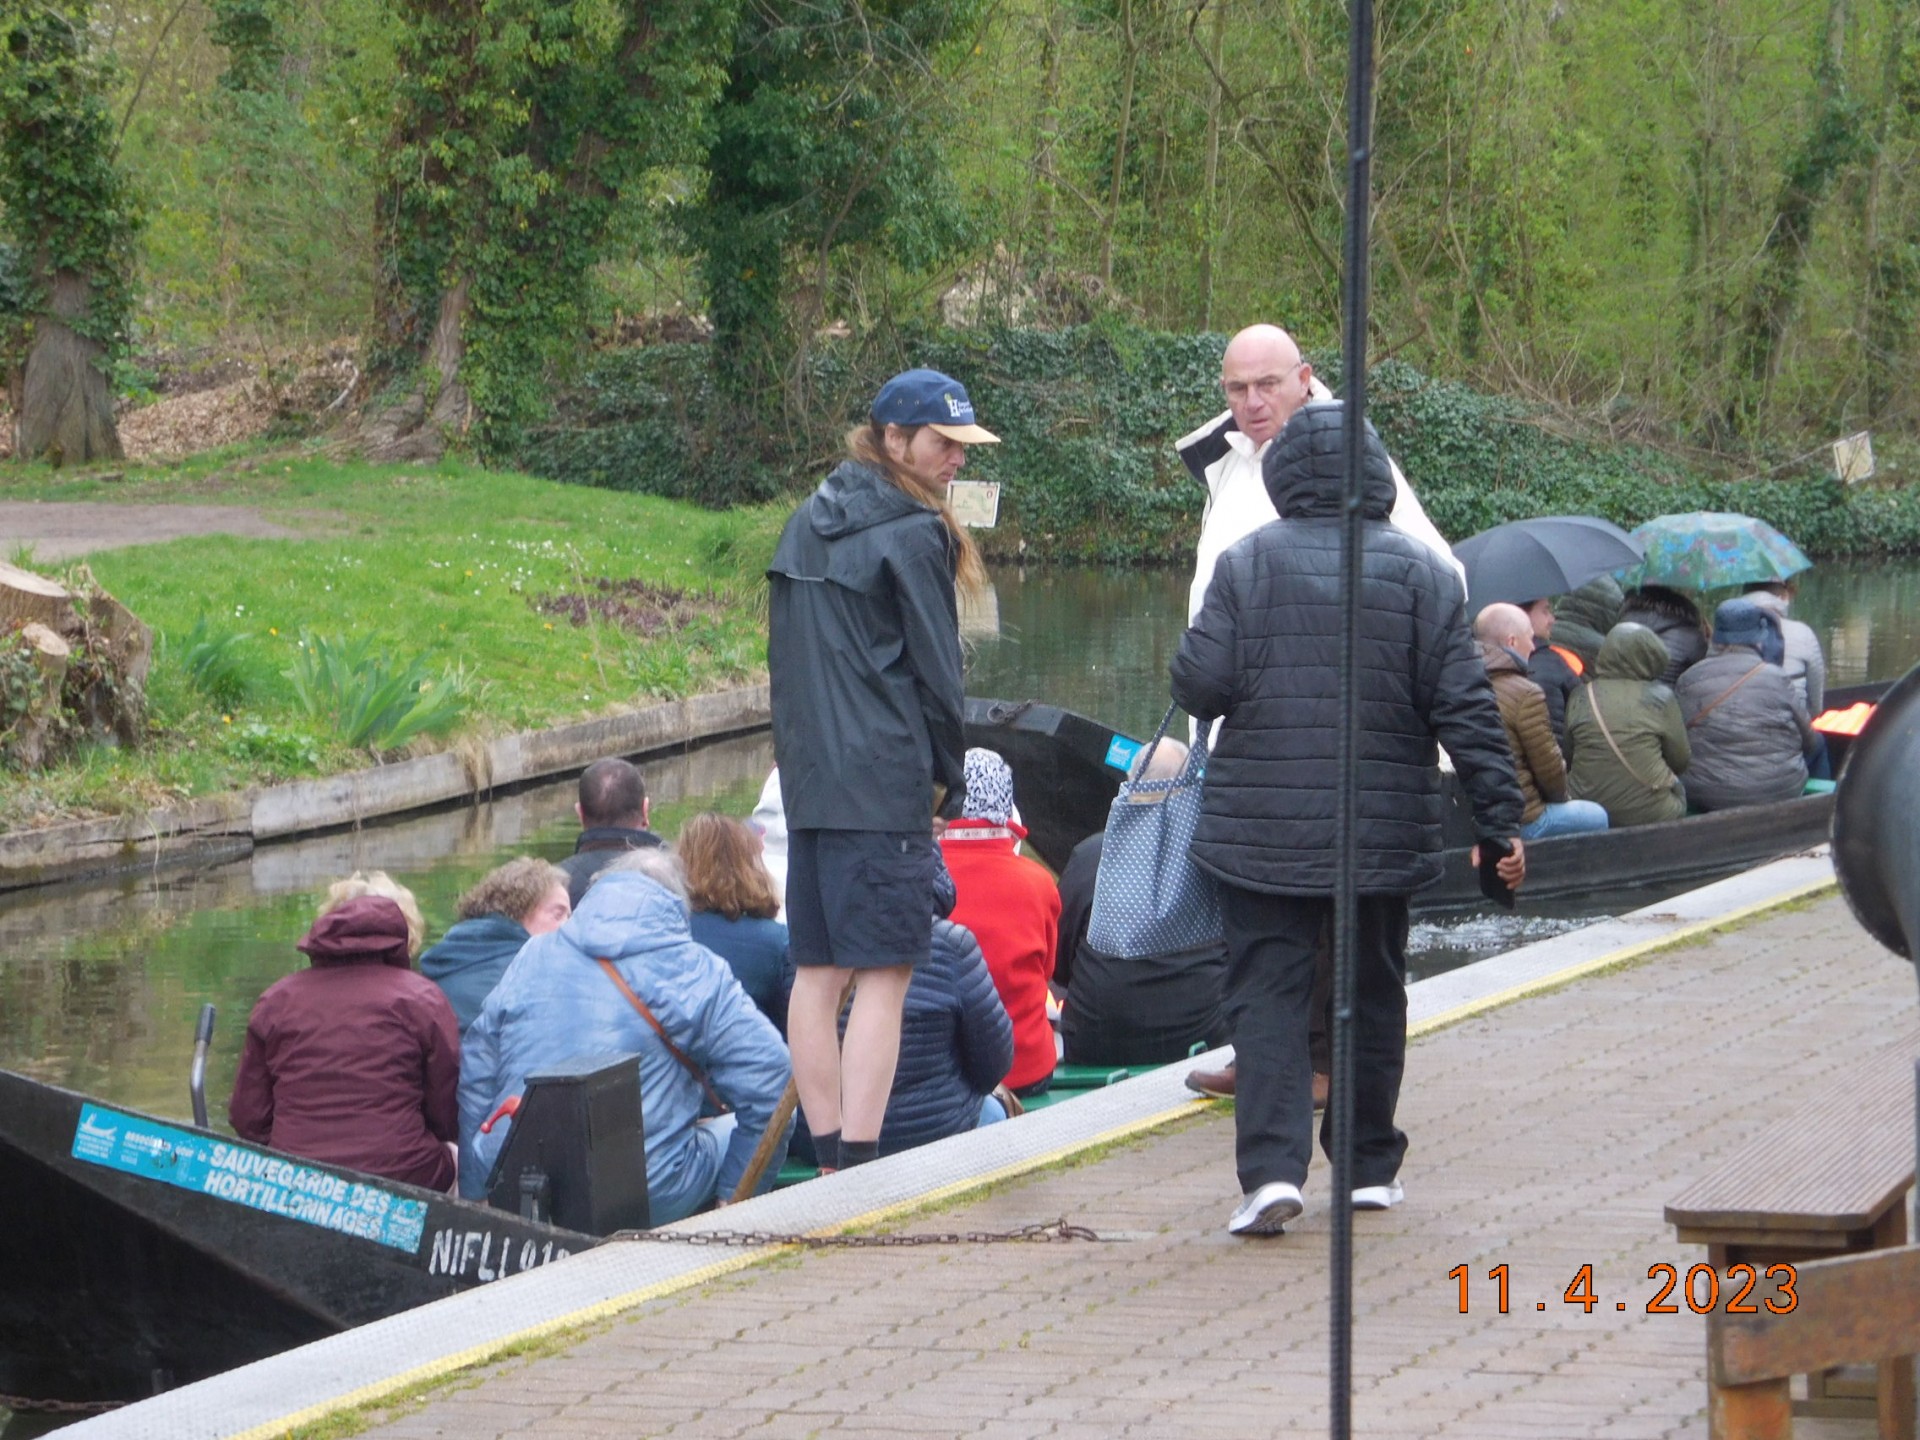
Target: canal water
100, 985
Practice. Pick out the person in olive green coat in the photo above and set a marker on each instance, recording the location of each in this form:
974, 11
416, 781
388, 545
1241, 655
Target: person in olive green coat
1626, 732
1582, 619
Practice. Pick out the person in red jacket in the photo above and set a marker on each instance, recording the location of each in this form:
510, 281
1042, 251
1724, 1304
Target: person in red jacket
356, 1060
1012, 906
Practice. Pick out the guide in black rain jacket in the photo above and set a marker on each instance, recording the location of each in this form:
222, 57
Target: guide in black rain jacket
1265, 653
863, 655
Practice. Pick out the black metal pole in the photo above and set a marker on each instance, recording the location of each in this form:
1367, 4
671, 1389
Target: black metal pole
1346, 917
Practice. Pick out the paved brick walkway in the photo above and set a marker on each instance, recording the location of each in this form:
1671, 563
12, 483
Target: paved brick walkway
1546, 1136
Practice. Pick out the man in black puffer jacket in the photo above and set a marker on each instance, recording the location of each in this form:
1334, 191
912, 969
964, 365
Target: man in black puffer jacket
1265, 654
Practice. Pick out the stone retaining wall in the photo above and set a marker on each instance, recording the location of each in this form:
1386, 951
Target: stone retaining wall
225, 827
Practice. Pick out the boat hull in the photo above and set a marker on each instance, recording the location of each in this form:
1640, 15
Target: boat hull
140, 1254
1067, 769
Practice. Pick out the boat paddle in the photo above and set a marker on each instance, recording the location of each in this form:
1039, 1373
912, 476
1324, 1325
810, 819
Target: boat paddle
197, 1080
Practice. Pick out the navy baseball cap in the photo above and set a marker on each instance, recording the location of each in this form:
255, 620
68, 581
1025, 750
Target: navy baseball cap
926, 397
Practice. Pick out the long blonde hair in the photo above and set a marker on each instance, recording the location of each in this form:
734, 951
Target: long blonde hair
868, 444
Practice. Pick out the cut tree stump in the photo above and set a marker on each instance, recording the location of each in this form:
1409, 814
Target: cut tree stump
28, 599
92, 655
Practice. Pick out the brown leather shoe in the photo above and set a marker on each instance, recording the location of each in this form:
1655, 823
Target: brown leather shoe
1321, 1085
1214, 1084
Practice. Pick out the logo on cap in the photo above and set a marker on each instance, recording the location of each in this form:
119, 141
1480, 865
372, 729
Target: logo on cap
959, 409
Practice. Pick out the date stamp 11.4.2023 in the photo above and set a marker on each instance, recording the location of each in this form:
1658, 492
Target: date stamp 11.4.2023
1739, 1289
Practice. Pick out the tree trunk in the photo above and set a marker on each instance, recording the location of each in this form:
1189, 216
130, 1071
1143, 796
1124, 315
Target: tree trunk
416, 427
1831, 143
1216, 41
1045, 161
66, 399
1119, 145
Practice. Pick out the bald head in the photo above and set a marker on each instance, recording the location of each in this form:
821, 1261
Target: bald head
1265, 380
1506, 625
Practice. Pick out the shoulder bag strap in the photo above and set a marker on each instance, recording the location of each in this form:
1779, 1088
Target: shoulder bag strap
674, 1050
1725, 693
1593, 699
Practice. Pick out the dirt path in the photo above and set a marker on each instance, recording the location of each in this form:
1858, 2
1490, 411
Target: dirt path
62, 529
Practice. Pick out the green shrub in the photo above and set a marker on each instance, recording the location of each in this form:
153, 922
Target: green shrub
214, 663
276, 748
368, 699
1089, 415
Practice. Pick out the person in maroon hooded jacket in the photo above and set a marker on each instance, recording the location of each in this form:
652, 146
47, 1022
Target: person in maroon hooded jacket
356, 1060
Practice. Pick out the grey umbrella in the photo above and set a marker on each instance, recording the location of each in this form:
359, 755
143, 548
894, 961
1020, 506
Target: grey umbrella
1526, 560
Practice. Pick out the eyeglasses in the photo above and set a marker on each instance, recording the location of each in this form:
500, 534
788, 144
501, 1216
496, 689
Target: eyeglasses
1267, 386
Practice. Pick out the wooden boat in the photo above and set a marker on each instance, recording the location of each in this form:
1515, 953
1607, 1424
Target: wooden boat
140, 1253
1068, 768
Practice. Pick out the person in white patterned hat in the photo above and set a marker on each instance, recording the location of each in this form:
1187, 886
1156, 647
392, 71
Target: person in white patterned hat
1012, 906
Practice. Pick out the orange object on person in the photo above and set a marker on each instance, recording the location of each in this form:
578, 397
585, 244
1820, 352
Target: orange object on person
1574, 662
1850, 721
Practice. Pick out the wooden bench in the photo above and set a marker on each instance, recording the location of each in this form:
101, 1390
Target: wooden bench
1829, 1181
1860, 1308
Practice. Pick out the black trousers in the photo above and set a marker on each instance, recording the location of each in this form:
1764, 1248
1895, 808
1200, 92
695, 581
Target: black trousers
1271, 946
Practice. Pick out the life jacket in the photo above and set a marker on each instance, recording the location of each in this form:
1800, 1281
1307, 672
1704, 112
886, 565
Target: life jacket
1574, 662
1849, 721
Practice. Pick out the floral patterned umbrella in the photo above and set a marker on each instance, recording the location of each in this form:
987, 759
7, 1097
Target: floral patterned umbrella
1709, 549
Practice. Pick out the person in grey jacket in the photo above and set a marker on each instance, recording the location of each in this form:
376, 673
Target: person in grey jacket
1749, 730
1265, 654
863, 655
1806, 663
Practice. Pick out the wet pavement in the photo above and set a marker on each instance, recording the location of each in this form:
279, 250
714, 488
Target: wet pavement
1547, 1135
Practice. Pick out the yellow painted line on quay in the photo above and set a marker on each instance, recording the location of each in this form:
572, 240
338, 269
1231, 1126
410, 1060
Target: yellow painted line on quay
1573, 972
605, 1309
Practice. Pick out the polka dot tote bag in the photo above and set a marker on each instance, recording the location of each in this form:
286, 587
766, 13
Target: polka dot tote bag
1149, 897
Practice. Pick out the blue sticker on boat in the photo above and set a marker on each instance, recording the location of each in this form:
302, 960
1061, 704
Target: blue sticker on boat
1121, 752
245, 1176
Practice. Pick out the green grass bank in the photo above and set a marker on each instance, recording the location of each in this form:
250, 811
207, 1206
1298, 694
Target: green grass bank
513, 602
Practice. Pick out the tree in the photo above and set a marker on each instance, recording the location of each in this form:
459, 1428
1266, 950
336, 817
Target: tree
70, 220
824, 138
518, 125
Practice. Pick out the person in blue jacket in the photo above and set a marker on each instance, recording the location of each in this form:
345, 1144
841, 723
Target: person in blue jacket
510, 905
556, 1002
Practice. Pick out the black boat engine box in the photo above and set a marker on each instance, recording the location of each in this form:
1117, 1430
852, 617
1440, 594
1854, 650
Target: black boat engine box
575, 1155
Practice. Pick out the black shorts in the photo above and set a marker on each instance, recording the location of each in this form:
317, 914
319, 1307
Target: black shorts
859, 899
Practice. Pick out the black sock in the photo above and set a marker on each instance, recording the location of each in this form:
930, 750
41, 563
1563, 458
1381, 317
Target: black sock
826, 1150
858, 1152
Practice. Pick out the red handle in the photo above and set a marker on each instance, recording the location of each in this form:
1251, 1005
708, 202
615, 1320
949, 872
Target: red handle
509, 1108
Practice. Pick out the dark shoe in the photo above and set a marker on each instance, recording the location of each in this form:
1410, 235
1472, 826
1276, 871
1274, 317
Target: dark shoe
1214, 1084
1321, 1085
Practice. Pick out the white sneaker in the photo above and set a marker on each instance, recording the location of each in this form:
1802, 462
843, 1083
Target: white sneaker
1379, 1197
1267, 1210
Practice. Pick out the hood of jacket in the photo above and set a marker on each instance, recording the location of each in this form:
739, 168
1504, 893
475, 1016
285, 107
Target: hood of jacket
625, 914
478, 941
857, 497
1306, 467
1500, 660
1662, 602
368, 931
1595, 605
1631, 652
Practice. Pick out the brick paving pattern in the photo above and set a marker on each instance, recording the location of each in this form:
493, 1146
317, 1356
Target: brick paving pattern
1546, 1135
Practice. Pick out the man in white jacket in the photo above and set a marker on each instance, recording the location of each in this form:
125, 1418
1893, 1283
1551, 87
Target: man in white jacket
1265, 381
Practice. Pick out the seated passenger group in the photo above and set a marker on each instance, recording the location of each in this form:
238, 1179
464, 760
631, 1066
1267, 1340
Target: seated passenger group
1666, 716
672, 955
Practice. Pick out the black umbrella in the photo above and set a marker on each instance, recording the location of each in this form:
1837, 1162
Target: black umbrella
1527, 560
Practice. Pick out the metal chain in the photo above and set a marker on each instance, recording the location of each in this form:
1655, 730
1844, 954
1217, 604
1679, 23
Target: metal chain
22, 1404
1051, 1232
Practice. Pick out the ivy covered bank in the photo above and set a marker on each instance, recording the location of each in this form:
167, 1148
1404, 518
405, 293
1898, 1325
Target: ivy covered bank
1089, 415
